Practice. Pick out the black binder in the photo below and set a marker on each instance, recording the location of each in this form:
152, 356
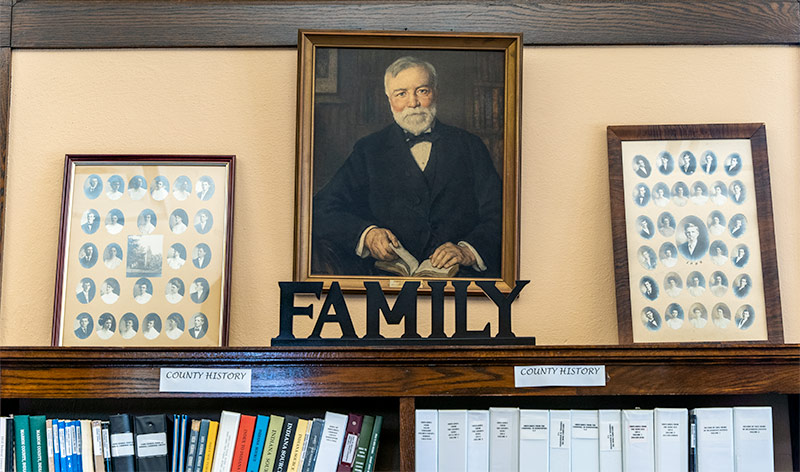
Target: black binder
122, 449
151, 443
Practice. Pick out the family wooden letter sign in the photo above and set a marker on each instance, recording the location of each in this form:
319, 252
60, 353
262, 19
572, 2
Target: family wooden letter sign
334, 310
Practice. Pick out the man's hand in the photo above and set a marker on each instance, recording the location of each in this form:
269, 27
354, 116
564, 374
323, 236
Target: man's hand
381, 243
448, 254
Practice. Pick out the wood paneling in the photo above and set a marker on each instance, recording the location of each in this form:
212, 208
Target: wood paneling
175, 23
649, 370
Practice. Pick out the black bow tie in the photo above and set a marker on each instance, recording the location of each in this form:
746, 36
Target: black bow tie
414, 140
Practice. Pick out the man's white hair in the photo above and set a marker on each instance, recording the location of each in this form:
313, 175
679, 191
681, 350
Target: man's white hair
407, 62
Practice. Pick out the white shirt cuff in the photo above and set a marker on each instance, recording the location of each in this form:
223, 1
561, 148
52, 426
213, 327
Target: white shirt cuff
362, 251
479, 265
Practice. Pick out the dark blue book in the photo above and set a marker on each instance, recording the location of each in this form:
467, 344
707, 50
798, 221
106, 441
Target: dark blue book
202, 440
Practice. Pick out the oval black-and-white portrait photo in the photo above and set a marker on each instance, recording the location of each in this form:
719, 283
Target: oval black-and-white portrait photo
718, 283
115, 187
87, 255
128, 325
175, 326
708, 162
721, 315
147, 221
733, 164
719, 253
716, 222
661, 194
696, 283
648, 287
641, 195
668, 254
85, 290
741, 254
692, 238
83, 325
182, 188
203, 221
719, 193
90, 221
737, 225
737, 192
645, 227
674, 316
93, 186
201, 255
115, 221
666, 224
647, 257
137, 187
641, 166
687, 163
651, 319
112, 256
143, 290
699, 193
673, 284
109, 291
745, 316
151, 326
205, 188
160, 189
680, 193
198, 326
742, 285
198, 291
178, 220
176, 256
175, 290
106, 326
665, 163
698, 316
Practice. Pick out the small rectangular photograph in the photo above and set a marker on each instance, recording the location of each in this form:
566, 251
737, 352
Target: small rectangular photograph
144, 251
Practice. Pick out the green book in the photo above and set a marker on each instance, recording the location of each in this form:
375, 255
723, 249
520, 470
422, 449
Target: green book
39, 444
362, 446
271, 443
372, 455
22, 447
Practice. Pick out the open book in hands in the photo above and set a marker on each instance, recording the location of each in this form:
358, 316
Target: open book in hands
407, 265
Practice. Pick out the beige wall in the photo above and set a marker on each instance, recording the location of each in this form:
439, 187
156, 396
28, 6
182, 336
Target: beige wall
242, 102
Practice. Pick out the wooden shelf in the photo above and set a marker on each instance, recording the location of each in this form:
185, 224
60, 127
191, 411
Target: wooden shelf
409, 372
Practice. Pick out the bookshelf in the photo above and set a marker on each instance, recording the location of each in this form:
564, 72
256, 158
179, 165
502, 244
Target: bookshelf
394, 382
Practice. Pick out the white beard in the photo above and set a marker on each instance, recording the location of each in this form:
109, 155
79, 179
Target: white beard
415, 120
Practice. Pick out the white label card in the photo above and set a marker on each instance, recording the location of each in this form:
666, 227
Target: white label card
153, 444
205, 380
560, 376
609, 436
121, 444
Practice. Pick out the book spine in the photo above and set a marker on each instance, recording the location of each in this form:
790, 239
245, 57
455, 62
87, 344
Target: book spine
372, 454
211, 444
226, 441
362, 447
182, 443
70, 440
285, 447
257, 448
3, 434
97, 445
330, 442
106, 446
176, 439
350, 442
87, 454
77, 447
151, 443
39, 459
244, 439
314, 435
271, 443
426, 441
297, 445
22, 448
191, 450
50, 451
202, 440
62, 446
692, 442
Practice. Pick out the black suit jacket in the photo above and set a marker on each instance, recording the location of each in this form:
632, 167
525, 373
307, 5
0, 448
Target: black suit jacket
457, 198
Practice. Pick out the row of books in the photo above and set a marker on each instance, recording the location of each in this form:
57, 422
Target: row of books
176, 443
737, 439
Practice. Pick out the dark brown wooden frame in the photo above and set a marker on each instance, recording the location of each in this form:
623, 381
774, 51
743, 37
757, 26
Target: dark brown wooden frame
308, 42
756, 133
132, 160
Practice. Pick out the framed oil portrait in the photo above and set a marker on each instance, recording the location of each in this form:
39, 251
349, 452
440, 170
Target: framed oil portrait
694, 244
144, 253
407, 158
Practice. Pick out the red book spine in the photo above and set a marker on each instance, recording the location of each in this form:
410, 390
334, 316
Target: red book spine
243, 440
348, 455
